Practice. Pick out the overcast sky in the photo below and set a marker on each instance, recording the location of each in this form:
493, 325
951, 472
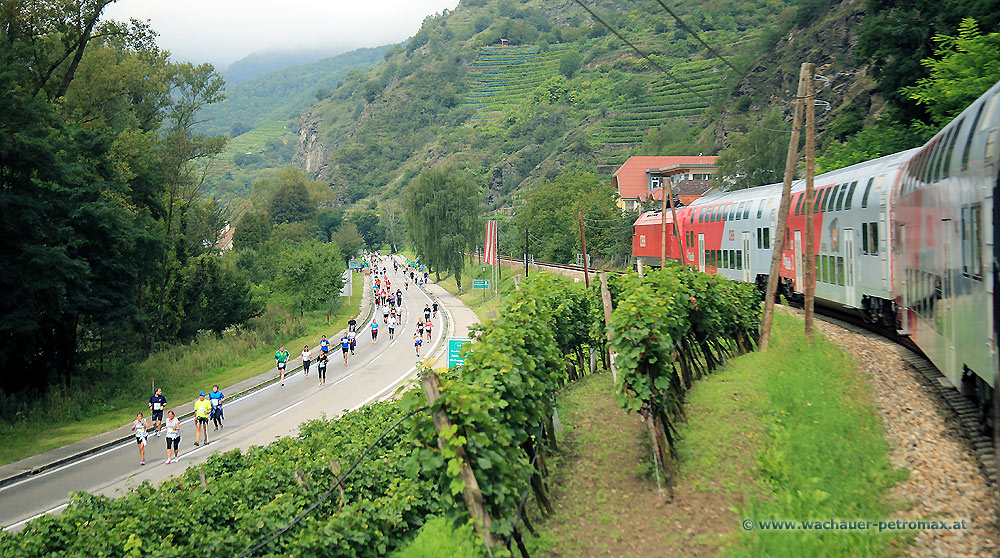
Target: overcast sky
222, 31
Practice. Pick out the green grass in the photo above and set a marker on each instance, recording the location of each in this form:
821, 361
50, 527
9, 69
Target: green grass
823, 454
181, 371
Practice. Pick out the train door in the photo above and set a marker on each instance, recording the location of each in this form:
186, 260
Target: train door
945, 308
798, 262
850, 291
746, 256
701, 252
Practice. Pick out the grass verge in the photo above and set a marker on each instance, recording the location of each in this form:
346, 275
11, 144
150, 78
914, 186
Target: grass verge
181, 372
788, 435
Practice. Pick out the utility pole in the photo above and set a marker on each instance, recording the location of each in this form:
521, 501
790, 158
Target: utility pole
525, 252
786, 198
583, 242
810, 263
663, 230
673, 216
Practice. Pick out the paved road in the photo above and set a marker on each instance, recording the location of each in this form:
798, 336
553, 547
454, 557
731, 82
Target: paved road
257, 419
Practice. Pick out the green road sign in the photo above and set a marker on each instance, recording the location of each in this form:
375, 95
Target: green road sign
480, 283
355, 264
455, 344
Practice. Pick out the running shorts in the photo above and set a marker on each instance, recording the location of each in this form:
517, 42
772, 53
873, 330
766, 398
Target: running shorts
157, 415
140, 440
173, 443
203, 420
281, 365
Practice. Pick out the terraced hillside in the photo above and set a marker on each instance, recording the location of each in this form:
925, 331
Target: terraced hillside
504, 77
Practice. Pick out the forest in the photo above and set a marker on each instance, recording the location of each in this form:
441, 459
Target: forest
111, 244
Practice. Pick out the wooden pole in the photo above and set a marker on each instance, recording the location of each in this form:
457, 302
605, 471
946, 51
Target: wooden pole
583, 242
473, 495
779, 237
606, 300
810, 263
673, 216
663, 230
525, 252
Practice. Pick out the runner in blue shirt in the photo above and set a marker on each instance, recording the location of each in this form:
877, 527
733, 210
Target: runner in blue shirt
374, 331
324, 345
216, 398
345, 345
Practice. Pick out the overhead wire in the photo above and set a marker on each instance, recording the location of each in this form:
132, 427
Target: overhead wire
644, 55
326, 495
698, 38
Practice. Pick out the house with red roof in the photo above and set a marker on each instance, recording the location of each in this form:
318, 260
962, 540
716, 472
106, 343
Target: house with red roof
642, 178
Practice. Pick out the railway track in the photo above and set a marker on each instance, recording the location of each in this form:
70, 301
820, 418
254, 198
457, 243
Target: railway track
964, 409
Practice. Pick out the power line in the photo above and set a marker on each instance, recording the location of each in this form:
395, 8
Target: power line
698, 38
328, 493
642, 54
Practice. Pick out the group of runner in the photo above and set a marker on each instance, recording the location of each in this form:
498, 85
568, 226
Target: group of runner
205, 410
208, 407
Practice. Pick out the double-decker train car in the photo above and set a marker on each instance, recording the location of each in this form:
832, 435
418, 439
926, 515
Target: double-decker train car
906, 240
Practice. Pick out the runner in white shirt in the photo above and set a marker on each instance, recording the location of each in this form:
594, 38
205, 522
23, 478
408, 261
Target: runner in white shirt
139, 427
392, 326
306, 359
173, 437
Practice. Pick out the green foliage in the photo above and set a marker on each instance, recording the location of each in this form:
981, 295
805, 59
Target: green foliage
884, 137
216, 297
676, 137
368, 226
438, 537
291, 202
442, 207
756, 157
570, 63
310, 274
963, 68
252, 230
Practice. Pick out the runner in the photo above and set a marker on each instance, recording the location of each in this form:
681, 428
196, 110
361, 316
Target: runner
345, 345
427, 328
427, 313
392, 326
385, 314
173, 437
353, 336
156, 404
139, 426
216, 398
374, 331
321, 366
202, 409
281, 361
399, 297
420, 328
324, 345
352, 324
435, 308
306, 359
417, 342
406, 284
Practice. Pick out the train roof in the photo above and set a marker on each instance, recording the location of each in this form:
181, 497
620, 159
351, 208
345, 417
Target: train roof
866, 168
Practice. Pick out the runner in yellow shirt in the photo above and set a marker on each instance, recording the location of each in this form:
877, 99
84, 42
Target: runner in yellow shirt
202, 410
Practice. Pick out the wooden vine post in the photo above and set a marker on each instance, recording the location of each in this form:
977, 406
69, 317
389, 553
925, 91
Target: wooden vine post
673, 217
473, 495
810, 255
786, 199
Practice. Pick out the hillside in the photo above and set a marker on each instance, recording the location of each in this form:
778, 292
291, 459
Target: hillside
282, 94
563, 91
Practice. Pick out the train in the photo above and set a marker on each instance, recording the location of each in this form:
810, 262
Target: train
907, 241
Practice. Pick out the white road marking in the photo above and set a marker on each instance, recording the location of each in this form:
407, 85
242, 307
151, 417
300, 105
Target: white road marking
36, 516
378, 357
288, 407
342, 379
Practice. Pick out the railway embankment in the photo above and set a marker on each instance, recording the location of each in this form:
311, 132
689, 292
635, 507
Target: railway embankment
789, 453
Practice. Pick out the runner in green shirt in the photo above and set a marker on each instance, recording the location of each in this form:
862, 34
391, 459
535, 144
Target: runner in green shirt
280, 361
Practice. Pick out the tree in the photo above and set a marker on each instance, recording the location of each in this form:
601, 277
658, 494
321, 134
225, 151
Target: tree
368, 227
963, 68
215, 297
291, 203
442, 206
756, 157
570, 63
328, 221
315, 279
252, 230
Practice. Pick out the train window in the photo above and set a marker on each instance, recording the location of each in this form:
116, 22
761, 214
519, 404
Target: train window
767, 238
850, 195
830, 198
927, 171
968, 139
840, 270
741, 212
941, 154
818, 200
760, 208
946, 170
760, 241
972, 241
718, 257
734, 211
746, 210
725, 258
826, 269
798, 203
840, 196
868, 189
873, 238
864, 238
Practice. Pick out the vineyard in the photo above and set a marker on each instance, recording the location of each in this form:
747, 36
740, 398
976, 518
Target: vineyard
504, 77
370, 482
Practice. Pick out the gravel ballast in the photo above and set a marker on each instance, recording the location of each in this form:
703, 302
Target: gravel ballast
946, 482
